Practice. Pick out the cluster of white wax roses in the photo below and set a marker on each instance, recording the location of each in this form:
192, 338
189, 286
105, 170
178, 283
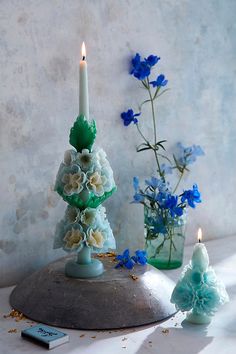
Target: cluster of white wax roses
88, 227
85, 172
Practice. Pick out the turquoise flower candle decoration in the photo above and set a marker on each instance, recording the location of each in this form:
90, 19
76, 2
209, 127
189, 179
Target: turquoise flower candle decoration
164, 204
84, 180
198, 290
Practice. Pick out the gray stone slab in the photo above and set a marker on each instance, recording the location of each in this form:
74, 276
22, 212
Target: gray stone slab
112, 300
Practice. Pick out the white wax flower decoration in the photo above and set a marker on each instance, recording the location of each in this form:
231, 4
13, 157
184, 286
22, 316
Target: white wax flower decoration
107, 173
101, 155
72, 214
73, 182
96, 183
69, 157
88, 216
102, 212
73, 239
95, 238
85, 159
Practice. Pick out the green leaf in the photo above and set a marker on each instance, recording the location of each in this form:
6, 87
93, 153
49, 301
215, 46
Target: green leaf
83, 134
177, 165
143, 149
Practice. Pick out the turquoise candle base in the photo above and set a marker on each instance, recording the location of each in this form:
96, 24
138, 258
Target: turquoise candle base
91, 270
196, 318
84, 267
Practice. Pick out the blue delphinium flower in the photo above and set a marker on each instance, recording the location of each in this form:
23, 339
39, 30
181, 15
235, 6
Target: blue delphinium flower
160, 81
136, 183
151, 60
129, 117
138, 197
141, 69
153, 182
188, 155
124, 260
157, 183
165, 169
192, 196
140, 257
171, 203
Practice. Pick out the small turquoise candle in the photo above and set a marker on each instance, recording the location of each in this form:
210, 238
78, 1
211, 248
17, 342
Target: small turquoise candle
198, 290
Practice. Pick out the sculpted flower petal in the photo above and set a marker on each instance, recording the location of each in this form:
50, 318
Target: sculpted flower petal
73, 182
66, 178
95, 238
183, 296
85, 159
88, 216
72, 214
95, 183
69, 157
102, 157
73, 239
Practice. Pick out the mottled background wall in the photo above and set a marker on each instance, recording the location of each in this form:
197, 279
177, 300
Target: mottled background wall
40, 48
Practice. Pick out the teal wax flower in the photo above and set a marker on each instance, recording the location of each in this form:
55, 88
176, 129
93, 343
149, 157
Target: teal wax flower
198, 288
88, 227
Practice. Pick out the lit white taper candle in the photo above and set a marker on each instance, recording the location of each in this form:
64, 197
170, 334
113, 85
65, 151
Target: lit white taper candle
200, 258
83, 85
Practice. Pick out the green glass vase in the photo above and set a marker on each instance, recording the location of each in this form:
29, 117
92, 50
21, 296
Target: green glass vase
164, 238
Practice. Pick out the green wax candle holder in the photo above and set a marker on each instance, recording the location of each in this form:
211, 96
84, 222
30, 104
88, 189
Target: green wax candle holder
84, 180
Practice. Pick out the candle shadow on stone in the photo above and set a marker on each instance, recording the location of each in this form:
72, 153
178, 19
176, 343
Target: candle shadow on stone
188, 339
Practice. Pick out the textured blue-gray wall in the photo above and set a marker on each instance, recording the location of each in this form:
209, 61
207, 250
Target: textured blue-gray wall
40, 48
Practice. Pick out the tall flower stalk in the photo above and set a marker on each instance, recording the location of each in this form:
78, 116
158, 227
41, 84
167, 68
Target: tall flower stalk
158, 195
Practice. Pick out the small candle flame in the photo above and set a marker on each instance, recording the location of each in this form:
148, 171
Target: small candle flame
199, 235
83, 51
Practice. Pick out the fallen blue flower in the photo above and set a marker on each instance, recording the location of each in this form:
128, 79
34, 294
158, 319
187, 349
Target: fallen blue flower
140, 257
124, 260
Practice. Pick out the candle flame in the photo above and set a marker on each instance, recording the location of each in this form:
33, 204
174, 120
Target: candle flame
199, 235
83, 51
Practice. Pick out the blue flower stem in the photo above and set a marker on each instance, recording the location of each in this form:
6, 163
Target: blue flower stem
170, 250
180, 178
139, 130
155, 130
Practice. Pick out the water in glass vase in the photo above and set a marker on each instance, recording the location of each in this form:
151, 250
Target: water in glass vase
164, 238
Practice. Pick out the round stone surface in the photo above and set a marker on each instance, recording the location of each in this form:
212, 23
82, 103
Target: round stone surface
119, 298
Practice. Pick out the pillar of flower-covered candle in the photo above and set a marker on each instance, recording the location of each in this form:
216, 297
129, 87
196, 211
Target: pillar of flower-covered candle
84, 180
198, 289
83, 85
